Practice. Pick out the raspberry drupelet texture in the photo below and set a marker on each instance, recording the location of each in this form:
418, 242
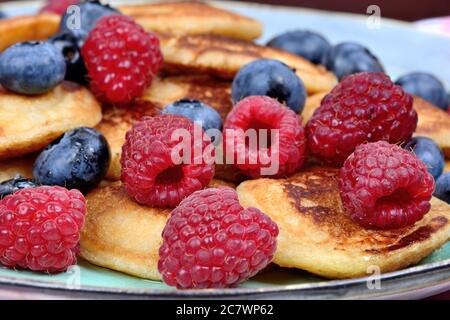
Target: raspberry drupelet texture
150, 173
40, 228
384, 186
284, 142
365, 107
121, 59
210, 241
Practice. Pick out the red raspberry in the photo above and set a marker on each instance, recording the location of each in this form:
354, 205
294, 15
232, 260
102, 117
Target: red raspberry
40, 228
210, 241
58, 6
383, 186
365, 107
149, 172
121, 59
264, 113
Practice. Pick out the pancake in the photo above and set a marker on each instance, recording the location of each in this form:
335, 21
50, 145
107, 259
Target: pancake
27, 28
30, 123
23, 166
184, 18
122, 235
318, 236
117, 121
433, 122
222, 56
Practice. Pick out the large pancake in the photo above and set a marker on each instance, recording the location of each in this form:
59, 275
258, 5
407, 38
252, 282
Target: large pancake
117, 121
18, 29
193, 18
222, 56
433, 122
122, 235
178, 18
318, 236
29, 123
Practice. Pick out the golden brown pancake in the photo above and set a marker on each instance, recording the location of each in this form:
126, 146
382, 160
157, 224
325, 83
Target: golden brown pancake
122, 235
29, 123
447, 166
184, 18
433, 122
23, 166
117, 121
318, 236
222, 56
18, 29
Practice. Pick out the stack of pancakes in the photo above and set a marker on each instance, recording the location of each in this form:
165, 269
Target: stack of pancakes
204, 47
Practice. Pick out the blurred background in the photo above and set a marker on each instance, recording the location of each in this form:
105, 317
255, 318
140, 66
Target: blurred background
398, 9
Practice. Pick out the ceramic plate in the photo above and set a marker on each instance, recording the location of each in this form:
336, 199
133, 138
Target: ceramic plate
401, 48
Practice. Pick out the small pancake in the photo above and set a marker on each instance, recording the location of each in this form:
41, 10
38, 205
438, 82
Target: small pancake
30, 123
117, 121
222, 56
318, 236
433, 122
184, 18
23, 166
447, 166
122, 235
18, 29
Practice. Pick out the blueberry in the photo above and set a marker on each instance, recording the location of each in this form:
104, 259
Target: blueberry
426, 86
2, 15
10, 186
69, 45
31, 68
348, 58
270, 78
78, 160
307, 44
429, 152
197, 112
442, 190
90, 12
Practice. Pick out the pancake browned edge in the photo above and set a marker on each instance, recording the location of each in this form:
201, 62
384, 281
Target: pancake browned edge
18, 29
318, 236
433, 121
23, 166
122, 235
29, 123
117, 121
223, 57
178, 18
181, 18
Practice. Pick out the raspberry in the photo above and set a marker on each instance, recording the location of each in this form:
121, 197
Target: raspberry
121, 59
58, 6
40, 228
384, 186
365, 107
258, 113
149, 172
210, 241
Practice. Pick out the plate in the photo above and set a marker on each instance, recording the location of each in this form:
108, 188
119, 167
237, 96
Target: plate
402, 49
